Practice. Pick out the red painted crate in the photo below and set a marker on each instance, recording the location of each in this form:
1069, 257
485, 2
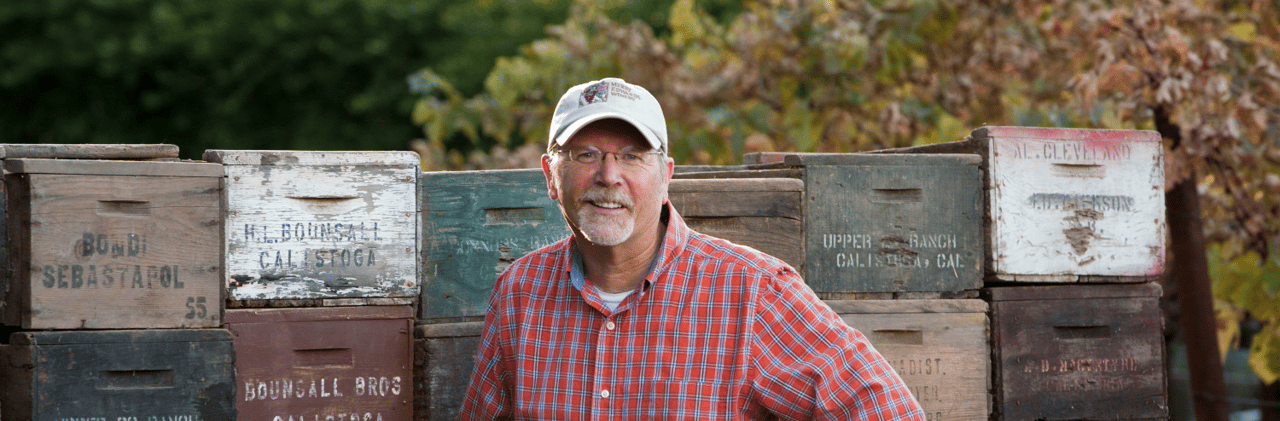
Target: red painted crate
348, 363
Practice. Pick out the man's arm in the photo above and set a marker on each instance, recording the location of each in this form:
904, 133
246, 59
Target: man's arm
809, 364
488, 394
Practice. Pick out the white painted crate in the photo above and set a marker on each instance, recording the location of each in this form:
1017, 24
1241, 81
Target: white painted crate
339, 227
1070, 204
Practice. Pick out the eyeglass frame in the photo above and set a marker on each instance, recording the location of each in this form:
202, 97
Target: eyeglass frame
568, 153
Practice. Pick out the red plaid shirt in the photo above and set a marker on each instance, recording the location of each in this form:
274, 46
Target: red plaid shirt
717, 331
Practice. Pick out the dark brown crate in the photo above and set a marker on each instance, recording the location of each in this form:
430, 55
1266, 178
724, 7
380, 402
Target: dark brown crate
328, 228
443, 360
940, 349
1069, 205
475, 224
883, 223
315, 363
762, 213
121, 375
113, 244
1078, 352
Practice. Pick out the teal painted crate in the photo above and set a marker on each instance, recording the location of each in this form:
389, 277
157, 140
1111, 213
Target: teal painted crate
475, 224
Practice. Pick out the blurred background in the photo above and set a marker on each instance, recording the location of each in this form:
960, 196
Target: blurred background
470, 84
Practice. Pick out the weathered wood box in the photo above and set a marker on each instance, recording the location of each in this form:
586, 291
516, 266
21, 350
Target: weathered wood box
762, 213
320, 228
105, 244
883, 226
130, 375
66, 151
939, 347
476, 223
323, 363
1078, 352
444, 357
1069, 205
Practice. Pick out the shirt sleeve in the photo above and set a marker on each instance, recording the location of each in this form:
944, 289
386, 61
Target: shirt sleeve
488, 393
809, 364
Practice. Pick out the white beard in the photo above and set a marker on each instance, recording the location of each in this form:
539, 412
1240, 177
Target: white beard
605, 230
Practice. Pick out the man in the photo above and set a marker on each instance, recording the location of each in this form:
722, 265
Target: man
635, 316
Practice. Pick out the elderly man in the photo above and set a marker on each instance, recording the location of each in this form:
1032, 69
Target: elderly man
635, 316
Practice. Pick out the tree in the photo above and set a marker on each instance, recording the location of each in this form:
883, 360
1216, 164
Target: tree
243, 74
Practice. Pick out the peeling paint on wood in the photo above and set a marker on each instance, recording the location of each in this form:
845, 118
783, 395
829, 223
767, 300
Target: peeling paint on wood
476, 223
1068, 202
1068, 205
319, 225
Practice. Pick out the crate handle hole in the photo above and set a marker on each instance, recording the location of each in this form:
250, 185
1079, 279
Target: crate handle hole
1082, 332
136, 379
124, 207
1079, 170
514, 216
324, 357
897, 196
897, 336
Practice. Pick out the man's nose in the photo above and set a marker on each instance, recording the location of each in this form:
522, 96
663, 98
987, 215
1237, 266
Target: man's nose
609, 171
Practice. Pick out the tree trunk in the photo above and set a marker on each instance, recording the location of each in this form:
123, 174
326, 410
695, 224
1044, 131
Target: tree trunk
1190, 272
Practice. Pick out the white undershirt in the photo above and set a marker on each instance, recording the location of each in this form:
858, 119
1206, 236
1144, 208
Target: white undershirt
612, 299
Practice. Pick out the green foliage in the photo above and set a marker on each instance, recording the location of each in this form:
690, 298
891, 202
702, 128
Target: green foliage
243, 74
1252, 284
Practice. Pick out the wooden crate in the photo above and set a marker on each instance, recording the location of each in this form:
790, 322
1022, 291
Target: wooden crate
65, 151
98, 244
939, 347
476, 223
131, 375
883, 224
762, 213
322, 362
1070, 205
443, 360
320, 228
1078, 352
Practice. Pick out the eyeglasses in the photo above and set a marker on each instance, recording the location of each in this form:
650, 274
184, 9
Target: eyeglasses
628, 156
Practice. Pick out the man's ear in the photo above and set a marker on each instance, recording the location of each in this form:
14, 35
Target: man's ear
552, 191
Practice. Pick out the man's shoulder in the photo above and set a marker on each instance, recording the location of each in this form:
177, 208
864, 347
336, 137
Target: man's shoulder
731, 253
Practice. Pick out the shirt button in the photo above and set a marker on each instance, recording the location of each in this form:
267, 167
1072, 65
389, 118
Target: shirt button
609, 326
604, 394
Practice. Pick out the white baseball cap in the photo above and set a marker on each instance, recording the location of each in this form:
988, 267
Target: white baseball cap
608, 98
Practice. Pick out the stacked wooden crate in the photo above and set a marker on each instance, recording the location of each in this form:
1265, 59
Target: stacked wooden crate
1075, 234
322, 279
476, 223
1008, 276
112, 285
893, 244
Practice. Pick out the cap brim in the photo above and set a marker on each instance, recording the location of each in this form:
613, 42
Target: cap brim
572, 129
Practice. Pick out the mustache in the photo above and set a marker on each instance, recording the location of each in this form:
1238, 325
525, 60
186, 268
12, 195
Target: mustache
601, 194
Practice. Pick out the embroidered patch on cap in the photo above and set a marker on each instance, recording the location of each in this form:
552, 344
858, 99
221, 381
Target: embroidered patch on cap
595, 93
